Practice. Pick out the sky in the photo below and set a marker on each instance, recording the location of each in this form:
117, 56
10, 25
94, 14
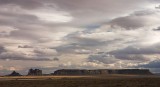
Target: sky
79, 34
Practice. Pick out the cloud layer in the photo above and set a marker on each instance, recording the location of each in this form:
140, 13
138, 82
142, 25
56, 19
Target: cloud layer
54, 34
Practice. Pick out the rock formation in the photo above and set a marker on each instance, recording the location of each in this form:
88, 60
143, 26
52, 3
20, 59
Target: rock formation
102, 72
35, 72
131, 71
14, 73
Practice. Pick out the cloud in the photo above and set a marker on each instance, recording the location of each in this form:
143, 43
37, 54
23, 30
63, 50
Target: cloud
78, 34
137, 20
157, 29
20, 56
27, 53
152, 64
138, 50
93, 11
143, 56
25, 46
119, 45
2, 49
28, 4
102, 57
45, 52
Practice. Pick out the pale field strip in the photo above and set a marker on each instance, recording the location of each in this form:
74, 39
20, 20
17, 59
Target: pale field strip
115, 76
39, 77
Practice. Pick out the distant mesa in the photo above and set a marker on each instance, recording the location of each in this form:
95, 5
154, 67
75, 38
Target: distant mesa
38, 72
14, 73
102, 72
35, 72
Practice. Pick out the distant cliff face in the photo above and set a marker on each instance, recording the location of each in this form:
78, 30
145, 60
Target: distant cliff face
130, 71
102, 72
35, 72
79, 72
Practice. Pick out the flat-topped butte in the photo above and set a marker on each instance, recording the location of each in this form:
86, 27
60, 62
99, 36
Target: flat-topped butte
102, 71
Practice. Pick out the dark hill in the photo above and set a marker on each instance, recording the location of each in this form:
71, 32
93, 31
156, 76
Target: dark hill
14, 73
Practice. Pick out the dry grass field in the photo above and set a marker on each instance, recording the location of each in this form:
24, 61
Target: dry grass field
81, 81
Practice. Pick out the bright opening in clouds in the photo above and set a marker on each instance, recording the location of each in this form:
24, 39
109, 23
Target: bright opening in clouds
55, 16
83, 34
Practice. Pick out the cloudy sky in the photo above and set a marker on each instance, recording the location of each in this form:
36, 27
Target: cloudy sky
83, 34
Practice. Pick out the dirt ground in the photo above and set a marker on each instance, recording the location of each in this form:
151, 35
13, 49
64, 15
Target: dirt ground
81, 81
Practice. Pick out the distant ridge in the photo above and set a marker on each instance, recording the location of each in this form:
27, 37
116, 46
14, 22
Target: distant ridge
102, 72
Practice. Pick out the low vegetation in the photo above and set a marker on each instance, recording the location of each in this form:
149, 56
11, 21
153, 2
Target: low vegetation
88, 81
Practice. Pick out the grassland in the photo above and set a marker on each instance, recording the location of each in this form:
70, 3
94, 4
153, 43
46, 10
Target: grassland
81, 81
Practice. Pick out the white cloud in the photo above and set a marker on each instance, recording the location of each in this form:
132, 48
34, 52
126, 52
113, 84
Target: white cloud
50, 15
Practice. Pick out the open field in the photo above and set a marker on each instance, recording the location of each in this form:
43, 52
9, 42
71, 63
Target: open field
81, 81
